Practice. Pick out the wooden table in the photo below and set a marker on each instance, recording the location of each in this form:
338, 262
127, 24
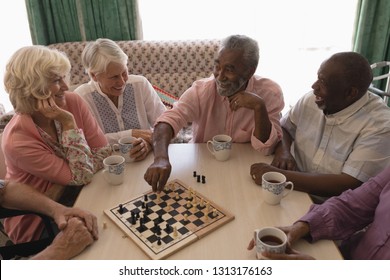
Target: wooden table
228, 184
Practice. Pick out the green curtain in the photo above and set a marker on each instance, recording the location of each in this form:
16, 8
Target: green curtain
53, 21
372, 32
57, 21
116, 20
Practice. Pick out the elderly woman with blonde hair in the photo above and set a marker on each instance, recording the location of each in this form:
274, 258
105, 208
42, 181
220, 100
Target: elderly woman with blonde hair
53, 139
123, 105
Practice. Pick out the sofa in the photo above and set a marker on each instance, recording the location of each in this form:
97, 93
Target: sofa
170, 66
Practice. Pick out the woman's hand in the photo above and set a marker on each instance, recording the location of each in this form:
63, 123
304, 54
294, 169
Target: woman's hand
49, 109
141, 148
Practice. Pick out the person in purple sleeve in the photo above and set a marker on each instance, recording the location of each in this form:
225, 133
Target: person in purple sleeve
359, 218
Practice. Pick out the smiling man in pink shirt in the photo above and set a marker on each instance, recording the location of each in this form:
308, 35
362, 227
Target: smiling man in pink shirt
232, 101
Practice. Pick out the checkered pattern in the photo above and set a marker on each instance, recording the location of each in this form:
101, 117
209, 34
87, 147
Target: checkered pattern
170, 209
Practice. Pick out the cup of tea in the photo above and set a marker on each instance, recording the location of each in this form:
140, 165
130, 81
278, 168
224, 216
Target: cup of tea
125, 144
114, 169
269, 239
220, 146
274, 187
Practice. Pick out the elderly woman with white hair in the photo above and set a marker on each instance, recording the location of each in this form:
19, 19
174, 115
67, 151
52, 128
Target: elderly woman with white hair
123, 105
52, 139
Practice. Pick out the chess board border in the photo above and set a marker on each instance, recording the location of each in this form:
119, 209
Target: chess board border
186, 240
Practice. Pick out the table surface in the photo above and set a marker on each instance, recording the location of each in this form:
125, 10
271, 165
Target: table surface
228, 184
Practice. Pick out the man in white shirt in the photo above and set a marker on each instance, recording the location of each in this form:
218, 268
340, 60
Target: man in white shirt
339, 133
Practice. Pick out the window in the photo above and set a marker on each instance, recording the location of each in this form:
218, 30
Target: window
15, 34
294, 36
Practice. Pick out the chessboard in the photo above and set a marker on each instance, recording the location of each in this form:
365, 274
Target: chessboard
161, 224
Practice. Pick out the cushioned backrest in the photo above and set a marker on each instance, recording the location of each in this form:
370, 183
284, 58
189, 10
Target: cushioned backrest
171, 65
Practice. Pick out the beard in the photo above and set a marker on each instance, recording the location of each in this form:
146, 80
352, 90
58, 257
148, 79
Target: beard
229, 88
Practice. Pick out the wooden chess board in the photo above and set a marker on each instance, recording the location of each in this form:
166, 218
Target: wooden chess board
163, 224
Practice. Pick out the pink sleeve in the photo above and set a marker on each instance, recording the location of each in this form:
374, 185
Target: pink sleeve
93, 134
275, 104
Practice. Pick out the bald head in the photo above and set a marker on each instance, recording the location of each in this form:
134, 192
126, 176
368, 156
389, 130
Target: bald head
354, 68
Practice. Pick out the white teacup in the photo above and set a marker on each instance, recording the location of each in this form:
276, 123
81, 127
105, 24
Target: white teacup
114, 169
274, 187
125, 144
269, 239
220, 146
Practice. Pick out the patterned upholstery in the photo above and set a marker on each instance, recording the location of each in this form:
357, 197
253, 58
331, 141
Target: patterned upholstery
170, 65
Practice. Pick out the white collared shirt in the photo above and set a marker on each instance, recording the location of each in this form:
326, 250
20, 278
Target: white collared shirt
355, 141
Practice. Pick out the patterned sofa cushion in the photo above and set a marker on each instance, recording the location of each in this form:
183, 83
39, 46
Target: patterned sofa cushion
166, 98
170, 65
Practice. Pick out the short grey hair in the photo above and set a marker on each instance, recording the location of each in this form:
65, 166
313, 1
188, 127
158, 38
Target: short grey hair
98, 54
28, 74
248, 45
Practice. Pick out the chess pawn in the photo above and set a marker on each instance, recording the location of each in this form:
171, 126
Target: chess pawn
202, 202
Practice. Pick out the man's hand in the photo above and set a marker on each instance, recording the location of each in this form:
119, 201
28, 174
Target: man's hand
294, 233
290, 254
284, 160
258, 169
245, 99
158, 173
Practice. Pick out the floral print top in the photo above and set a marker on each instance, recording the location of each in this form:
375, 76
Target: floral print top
72, 147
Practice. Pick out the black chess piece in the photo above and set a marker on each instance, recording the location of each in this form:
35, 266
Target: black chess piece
120, 209
141, 225
147, 209
159, 241
133, 218
158, 230
168, 229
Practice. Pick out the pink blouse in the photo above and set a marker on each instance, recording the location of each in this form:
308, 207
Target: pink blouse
34, 158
